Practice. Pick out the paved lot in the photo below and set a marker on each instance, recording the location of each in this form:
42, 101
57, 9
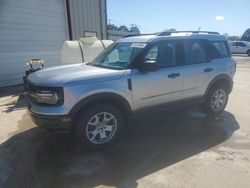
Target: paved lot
181, 149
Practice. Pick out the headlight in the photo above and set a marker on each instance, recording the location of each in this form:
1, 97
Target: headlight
47, 96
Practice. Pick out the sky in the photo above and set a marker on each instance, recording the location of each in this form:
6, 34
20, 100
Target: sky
224, 16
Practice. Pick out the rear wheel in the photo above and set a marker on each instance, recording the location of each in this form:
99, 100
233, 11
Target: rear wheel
216, 100
99, 126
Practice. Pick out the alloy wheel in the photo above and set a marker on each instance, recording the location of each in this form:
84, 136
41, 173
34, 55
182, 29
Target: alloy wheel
101, 128
218, 100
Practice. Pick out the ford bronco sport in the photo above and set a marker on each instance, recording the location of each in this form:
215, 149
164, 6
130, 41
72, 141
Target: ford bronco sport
134, 76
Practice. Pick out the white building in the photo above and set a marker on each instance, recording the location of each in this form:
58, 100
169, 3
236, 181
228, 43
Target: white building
37, 29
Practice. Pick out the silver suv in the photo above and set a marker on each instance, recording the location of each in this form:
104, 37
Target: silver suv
132, 77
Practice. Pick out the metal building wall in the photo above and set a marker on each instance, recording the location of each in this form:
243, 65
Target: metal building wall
30, 29
37, 29
88, 16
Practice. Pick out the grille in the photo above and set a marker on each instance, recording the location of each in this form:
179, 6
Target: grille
31, 90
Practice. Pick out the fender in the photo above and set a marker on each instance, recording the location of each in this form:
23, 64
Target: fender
116, 99
225, 77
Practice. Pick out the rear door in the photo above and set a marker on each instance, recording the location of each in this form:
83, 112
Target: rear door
234, 48
194, 68
242, 47
219, 60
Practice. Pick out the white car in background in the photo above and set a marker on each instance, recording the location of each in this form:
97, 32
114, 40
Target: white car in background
239, 47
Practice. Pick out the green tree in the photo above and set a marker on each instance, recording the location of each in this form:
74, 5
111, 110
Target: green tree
112, 27
246, 35
233, 38
123, 28
135, 30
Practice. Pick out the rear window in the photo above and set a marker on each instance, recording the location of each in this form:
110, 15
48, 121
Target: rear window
222, 49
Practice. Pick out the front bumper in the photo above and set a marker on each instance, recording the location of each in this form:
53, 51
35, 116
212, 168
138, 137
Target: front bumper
52, 122
60, 123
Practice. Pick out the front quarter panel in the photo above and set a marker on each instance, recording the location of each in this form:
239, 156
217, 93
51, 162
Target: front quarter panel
75, 94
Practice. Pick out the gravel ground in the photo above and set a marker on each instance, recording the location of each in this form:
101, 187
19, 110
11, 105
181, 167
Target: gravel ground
181, 149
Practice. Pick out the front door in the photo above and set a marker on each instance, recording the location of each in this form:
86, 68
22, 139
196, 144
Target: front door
234, 48
162, 86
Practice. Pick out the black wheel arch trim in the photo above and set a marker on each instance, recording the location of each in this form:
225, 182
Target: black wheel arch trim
220, 77
105, 96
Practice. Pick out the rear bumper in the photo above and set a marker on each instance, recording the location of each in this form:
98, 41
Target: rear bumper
52, 122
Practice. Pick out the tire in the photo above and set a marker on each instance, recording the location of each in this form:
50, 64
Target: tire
216, 100
248, 52
93, 131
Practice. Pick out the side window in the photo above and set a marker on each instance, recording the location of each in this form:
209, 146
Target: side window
221, 48
234, 44
152, 54
194, 52
241, 44
164, 53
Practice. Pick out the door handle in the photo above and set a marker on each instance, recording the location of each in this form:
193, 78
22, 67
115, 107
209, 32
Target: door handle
174, 75
208, 70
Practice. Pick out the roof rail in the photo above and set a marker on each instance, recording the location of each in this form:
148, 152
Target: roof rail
131, 35
167, 33
135, 35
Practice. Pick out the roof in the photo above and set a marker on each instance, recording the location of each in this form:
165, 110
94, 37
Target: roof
211, 37
173, 35
139, 38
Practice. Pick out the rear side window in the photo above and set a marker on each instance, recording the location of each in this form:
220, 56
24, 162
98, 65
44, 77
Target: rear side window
194, 52
221, 48
241, 44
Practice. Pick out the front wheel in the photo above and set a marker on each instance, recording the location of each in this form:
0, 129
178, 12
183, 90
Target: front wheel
99, 126
216, 100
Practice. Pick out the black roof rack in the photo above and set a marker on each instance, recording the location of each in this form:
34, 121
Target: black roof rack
167, 33
131, 35
135, 35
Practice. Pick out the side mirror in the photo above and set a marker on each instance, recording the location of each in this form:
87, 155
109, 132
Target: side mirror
149, 65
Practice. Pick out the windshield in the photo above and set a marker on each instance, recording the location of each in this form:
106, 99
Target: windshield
118, 55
